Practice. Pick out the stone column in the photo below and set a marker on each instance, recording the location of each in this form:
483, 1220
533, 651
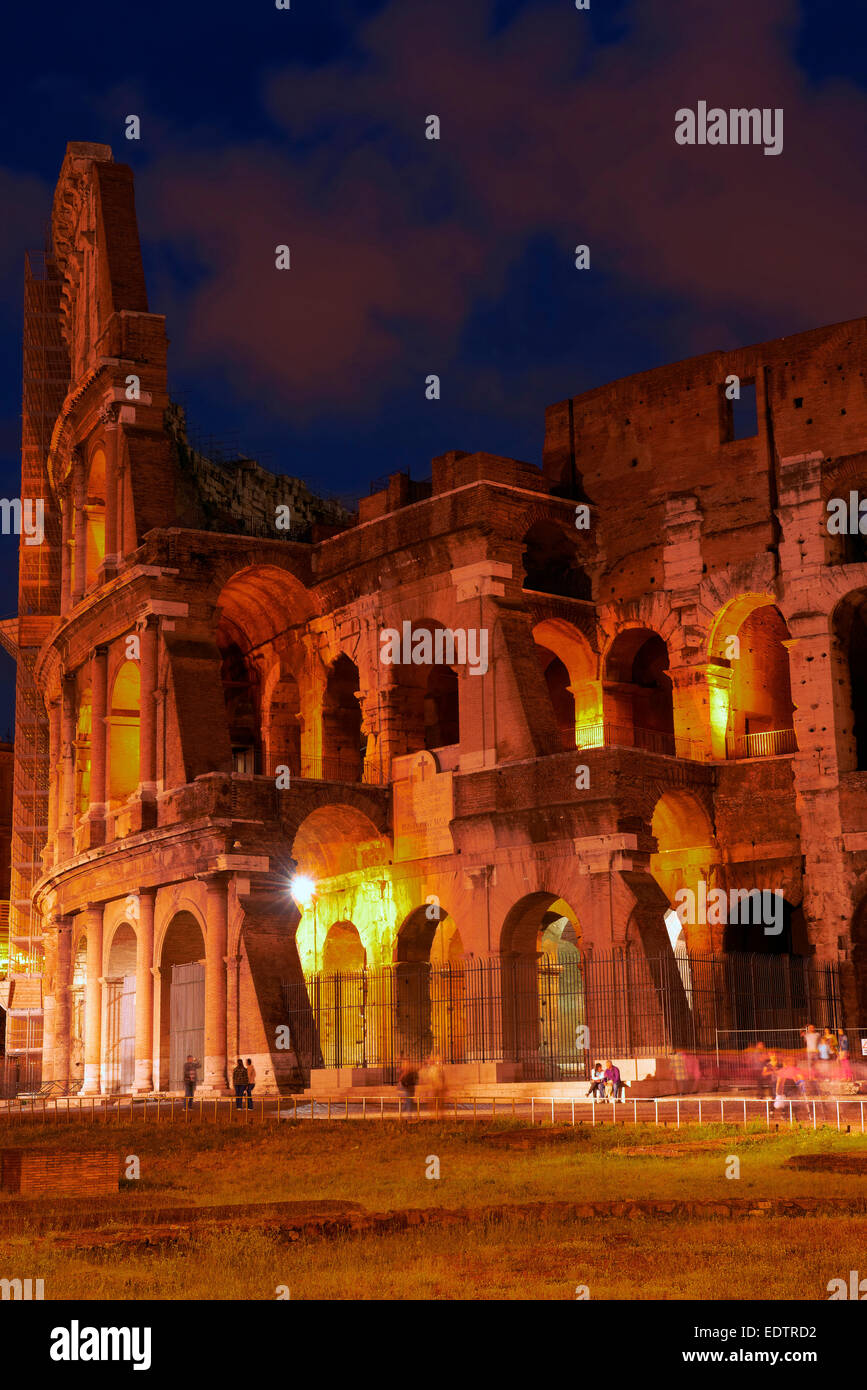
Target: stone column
66, 810
49, 1000
65, 553
62, 1003
216, 949
144, 992
93, 1002
49, 854
79, 548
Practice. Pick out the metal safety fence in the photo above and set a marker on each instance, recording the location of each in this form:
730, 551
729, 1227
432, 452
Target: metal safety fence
550, 1015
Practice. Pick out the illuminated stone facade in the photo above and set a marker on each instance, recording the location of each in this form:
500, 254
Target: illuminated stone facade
657, 690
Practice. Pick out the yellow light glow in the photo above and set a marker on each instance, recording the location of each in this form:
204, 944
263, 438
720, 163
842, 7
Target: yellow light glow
303, 890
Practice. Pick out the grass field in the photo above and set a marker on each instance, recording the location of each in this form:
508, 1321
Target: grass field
383, 1167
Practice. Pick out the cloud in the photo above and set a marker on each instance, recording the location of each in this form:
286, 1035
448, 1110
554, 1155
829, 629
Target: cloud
395, 240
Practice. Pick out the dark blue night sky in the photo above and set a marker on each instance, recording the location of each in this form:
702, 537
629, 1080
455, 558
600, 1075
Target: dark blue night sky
409, 256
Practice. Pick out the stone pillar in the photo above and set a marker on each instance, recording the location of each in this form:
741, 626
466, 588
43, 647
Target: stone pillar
79, 544
144, 992
49, 854
66, 810
112, 444
62, 1003
65, 553
93, 1002
49, 1000
216, 949
147, 724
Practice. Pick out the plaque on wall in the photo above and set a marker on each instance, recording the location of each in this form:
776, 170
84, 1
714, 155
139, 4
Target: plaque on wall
423, 810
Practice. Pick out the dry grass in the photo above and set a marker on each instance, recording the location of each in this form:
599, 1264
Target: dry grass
383, 1167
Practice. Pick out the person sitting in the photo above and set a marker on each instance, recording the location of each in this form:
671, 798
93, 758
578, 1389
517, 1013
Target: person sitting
597, 1078
613, 1084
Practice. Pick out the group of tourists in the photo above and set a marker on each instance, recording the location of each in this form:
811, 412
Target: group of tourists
243, 1080
606, 1082
826, 1058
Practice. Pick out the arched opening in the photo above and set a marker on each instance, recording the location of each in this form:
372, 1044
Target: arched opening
282, 727
343, 949
551, 564
119, 997
82, 756
569, 668
430, 987
123, 733
760, 722
94, 548
849, 626
241, 695
77, 1014
182, 997
343, 1016
856, 1010
543, 1008
685, 857
441, 708
343, 749
637, 692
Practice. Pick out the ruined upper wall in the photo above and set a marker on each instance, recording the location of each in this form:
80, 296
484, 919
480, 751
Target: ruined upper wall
662, 432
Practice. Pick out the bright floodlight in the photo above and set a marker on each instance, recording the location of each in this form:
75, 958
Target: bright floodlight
302, 889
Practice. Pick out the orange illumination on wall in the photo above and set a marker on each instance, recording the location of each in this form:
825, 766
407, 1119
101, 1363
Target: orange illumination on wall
124, 733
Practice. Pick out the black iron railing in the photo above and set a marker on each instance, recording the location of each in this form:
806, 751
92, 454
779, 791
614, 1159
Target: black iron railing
552, 1015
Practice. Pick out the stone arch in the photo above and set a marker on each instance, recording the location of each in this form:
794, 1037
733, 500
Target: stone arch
123, 732
343, 748
430, 986
338, 838
685, 854
637, 690
543, 1005
570, 669
750, 678
94, 510
849, 652
119, 1009
83, 733
181, 957
343, 949
850, 546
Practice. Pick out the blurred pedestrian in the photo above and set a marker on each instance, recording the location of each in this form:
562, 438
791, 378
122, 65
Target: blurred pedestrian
191, 1077
407, 1080
239, 1081
251, 1082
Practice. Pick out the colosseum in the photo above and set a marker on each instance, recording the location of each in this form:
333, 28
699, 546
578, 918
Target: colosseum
472, 770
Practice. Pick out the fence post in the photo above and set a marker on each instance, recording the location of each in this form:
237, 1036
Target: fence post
745, 1112
699, 1109
768, 1112
381, 1107
722, 1113
474, 1110
634, 1110
295, 1105
862, 1117
552, 1110
593, 1107
92, 1104
814, 1114
494, 1107
364, 1107
346, 1111
790, 1114
532, 1110
656, 1110
678, 1111
573, 1112
838, 1116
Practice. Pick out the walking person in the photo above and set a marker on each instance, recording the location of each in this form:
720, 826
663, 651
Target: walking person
251, 1082
811, 1037
240, 1082
407, 1081
191, 1077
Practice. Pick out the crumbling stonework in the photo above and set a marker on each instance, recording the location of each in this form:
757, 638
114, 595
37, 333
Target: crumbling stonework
665, 700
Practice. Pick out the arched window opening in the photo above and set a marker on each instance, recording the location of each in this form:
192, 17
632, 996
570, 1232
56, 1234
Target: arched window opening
283, 731
570, 669
82, 756
124, 733
342, 747
241, 696
639, 708
543, 1004
119, 996
562, 699
761, 708
551, 563
94, 548
441, 708
181, 983
850, 629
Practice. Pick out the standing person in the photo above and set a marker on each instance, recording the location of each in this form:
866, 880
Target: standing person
251, 1082
191, 1077
407, 1081
678, 1070
436, 1079
239, 1081
811, 1037
845, 1062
